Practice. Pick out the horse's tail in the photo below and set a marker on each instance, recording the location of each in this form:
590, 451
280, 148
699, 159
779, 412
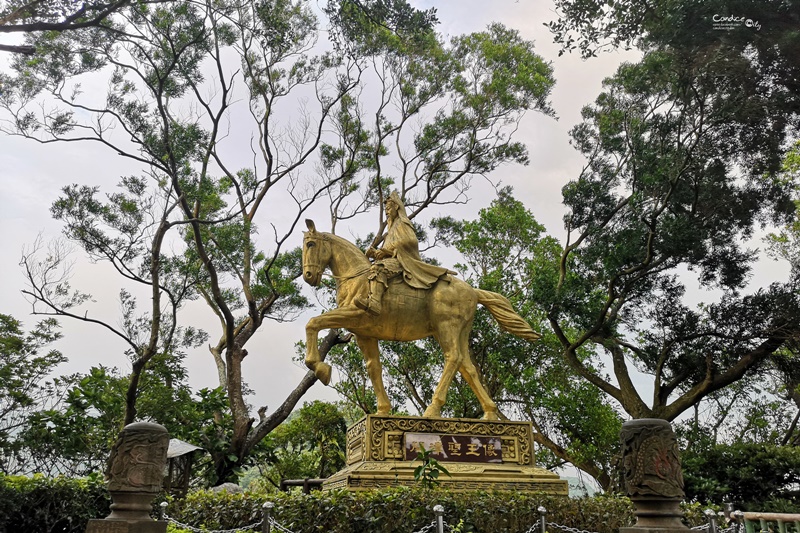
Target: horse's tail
509, 320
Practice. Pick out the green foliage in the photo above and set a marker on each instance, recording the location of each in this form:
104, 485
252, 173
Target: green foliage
758, 409
75, 436
429, 469
402, 509
24, 388
757, 477
309, 444
372, 26
593, 25
43, 504
683, 151
51, 17
60, 504
785, 244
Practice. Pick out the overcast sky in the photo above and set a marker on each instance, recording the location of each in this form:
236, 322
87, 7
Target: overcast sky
32, 176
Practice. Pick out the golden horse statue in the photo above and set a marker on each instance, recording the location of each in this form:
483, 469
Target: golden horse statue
445, 311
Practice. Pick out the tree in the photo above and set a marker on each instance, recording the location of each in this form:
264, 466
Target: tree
682, 166
311, 443
182, 73
74, 436
769, 39
503, 250
27, 16
24, 388
128, 231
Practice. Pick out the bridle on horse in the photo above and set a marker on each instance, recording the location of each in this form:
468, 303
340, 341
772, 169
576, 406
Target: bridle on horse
314, 265
308, 265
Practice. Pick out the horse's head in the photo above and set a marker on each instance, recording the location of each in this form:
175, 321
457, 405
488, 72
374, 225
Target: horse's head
316, 254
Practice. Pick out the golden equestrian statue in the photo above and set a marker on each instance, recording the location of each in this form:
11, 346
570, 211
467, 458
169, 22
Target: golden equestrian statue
401, 298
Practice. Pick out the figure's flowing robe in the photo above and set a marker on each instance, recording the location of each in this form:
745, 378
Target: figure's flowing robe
401, 241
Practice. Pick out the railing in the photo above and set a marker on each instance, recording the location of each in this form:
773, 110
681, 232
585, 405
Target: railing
783, 521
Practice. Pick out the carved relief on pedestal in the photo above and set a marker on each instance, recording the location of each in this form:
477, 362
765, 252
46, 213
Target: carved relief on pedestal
138, 459
393, 446
379, 454
650, 459
355, 442
135, 475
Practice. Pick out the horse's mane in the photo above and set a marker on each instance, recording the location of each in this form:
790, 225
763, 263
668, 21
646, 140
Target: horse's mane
349, 246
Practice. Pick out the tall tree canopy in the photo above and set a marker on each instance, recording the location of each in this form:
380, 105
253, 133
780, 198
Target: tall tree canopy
29, 16
242, 119
684, 152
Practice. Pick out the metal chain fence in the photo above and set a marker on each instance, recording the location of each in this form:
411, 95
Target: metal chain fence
267, 524
264, 524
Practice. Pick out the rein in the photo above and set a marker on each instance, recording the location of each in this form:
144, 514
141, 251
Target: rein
351, 276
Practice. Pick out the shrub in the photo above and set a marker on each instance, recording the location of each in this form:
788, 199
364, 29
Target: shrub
50, 505
751, 476
44, 504
401, 509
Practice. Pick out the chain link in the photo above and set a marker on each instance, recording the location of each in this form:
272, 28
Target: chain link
429, 527
279, 527
535, 528
432, 527
193, 529
567, 528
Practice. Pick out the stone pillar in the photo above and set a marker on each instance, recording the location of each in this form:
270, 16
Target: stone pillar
135, 475
651, 469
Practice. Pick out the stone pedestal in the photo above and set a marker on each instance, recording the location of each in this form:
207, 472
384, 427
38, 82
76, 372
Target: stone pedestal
652, 475
479, 454
135, 475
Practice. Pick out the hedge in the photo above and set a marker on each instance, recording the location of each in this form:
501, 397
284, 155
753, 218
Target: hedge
62, 505
401, 510
50, 505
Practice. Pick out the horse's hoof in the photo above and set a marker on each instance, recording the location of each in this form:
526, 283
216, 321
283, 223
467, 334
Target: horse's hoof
491, 415
386, 411
323, 372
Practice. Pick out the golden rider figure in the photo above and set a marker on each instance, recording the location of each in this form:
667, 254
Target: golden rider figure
398, 255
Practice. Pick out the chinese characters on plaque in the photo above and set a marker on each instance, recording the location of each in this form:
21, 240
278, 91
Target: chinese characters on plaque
463, 448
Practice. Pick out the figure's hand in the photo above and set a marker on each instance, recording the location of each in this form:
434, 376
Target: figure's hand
371, 252
382, 254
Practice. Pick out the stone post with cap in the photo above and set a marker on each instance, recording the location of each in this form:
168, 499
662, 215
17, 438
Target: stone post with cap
135, 475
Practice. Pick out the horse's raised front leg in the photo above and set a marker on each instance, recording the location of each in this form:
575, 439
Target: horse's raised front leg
369, 349
313, 360
337, 318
